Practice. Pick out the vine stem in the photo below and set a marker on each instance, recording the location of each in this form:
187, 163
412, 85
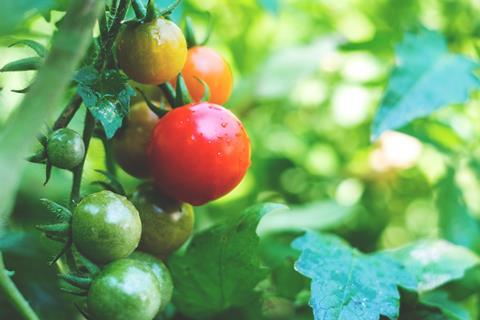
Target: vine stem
13, 294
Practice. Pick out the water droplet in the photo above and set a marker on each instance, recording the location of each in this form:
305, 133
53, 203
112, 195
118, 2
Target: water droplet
224, 124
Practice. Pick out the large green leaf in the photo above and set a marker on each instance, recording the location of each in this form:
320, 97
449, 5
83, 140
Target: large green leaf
455, 219
347, 284
434, 262
221, 266
427, 77
106, 95
440, 300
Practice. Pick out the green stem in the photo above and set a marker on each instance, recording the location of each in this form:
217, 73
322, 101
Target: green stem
78, 171
109, 159
13, 295
139, 8
67, 114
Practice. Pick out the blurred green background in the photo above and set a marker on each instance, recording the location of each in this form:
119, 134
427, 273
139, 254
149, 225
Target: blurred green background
309, 76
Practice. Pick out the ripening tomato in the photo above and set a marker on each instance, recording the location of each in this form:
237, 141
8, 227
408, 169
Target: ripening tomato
152, 52
198, 153
130, 143
206, 64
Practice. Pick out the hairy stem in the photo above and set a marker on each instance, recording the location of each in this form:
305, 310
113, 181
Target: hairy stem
109, 159
68, 113
10, 291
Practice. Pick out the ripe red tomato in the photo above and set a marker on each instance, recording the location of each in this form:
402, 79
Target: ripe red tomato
206, 64
198, 153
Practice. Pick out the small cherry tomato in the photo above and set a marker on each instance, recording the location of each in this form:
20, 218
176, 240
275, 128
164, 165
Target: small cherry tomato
130, 143
166, 223
152, 52
206, 64
198, 153
65, 148
162, 274
125, 290
106, 227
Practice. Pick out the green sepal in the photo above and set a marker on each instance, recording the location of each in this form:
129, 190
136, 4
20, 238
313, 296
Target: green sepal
190, 33
56, 238
168, 10
151, 13
182, 96
24, 90
26, 64
48, 172
113, 184
74, 291
206, 88
160, 111
62, 213
83, 311
58, 229
90, 266
65, 248
39, 48
168, 92
10, 273
38, 157
139, 9
77, 281
209, 30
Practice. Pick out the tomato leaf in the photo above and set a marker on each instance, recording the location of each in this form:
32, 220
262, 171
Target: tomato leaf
221, 266
427, 77
106, 95
347, 284
456, 222
434, 262
439, 299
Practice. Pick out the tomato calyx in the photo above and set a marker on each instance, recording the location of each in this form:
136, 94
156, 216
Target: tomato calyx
190, 32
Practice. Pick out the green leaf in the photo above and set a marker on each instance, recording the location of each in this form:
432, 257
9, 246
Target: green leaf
434, 262
455, 219
426, 78
221, 266
36, 46
318, 216
26, 64
440, 300
347, 284
106, 95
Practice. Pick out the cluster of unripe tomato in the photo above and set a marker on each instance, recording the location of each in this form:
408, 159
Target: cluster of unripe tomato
193, 154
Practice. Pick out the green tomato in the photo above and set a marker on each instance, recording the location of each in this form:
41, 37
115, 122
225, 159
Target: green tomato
65, 148
161, 272
106, 227
166, 223
125, 290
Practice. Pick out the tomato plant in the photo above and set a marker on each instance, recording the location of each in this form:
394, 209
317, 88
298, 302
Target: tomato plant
198, 153
350, 213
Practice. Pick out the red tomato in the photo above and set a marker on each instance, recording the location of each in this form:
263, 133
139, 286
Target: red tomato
198, 153
206, 64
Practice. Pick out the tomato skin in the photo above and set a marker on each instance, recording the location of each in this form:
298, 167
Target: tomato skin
206, 64
126, 289
166, 223
65, 148
198, 153
162, 274
152, 52
106, 227
130, 143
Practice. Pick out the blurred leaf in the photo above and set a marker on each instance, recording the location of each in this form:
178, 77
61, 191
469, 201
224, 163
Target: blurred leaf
25, 64
39, 48
272, 6
440, 300
347, 284
426, 78
319, 216
221, 266
13, 12
434, 262
456, 222
285, 68
437, 134
106, 95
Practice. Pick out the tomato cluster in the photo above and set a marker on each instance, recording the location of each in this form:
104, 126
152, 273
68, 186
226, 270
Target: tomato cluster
194, 152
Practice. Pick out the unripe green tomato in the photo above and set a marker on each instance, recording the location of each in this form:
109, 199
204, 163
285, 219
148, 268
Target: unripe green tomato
166, 223
125, 290
130, 143
106, 227
65, 148
161, 272
153, 52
